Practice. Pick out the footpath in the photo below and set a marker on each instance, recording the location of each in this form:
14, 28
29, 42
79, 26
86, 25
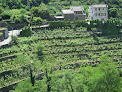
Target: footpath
8, 40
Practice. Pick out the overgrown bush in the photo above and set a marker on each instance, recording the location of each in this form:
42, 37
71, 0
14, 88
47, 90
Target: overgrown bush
26, 32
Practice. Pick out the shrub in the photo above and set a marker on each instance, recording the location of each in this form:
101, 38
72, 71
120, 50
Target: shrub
26, 32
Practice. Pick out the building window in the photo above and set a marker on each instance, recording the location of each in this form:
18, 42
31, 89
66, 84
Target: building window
99, 14
95, 9
95, 14
99, 9
103, 8
105, 14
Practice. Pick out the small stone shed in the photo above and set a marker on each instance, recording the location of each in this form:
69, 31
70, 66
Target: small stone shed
68, 15
3, 33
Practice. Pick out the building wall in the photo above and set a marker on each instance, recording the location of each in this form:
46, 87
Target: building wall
79, 16
69, 16
98, 13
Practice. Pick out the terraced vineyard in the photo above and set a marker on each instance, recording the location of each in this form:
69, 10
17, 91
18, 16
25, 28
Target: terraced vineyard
65, 46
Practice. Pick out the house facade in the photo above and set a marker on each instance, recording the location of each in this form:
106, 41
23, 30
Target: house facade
98, 12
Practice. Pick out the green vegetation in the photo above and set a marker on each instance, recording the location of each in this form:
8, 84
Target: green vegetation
19, 10
26, 31
58, 53
65, 57
108, 27
104, 77
41, 11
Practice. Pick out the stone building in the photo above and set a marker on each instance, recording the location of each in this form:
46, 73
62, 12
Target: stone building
78, 13
98, 12
68, 15
75, 12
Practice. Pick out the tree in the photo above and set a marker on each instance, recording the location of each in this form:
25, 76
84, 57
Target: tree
41, 11
48, 64
105, 77
34, 11
62, 82
44, 11
113, 12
